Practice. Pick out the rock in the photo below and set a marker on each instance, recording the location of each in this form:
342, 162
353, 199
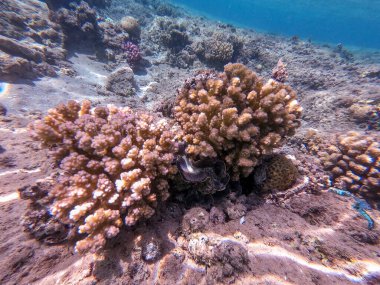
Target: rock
195, 220
29, 41
3, 110
12, 47
236, 211
121, 82
12, 67
151, 251
217, 216
213, 249
130, 25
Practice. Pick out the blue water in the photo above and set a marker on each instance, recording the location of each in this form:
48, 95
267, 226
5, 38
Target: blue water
350, 22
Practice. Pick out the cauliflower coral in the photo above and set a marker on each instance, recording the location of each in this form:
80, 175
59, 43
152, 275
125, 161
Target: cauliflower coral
235, 116
114, 167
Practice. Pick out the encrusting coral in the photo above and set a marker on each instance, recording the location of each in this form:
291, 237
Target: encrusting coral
114, 165
235, 116
354, 162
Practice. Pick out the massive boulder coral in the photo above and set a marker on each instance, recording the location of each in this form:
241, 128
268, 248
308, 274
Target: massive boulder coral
218, 48
276, 172
235, 116
354, 161
114, 166
169, 33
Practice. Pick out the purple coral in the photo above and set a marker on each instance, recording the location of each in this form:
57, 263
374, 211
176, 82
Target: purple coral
133, 52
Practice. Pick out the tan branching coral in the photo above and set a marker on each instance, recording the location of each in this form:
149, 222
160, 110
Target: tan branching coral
115, 164
235, 116
354, 162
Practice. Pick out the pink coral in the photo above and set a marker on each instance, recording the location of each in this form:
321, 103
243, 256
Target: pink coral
115, 164
133, 52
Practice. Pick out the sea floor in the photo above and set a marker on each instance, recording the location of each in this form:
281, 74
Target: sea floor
312, 237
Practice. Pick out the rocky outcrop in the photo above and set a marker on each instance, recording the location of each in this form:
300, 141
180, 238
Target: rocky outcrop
30, 44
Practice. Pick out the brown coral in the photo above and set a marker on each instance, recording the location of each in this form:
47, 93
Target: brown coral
235, 116
115, 164
277, 172
354, 163
131, 25
280, 73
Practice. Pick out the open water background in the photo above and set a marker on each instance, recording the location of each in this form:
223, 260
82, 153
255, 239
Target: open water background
350, 22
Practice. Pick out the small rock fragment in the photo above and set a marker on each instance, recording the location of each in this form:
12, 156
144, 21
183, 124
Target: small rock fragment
121, 82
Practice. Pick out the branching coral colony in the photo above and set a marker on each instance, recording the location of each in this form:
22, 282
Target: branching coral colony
115, 163
235, 116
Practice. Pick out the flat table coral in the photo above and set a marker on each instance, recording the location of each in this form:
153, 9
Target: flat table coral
114, 167
235, 116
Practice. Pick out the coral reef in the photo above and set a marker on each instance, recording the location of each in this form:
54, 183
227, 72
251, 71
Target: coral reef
195, 220
84, 30
131, 26
169, 33
367, 113
114, 166
79, 23
276, 172
56, 4
133, 53
218, 49
37, 220
113, 37
235, 116
354, 161
3, 110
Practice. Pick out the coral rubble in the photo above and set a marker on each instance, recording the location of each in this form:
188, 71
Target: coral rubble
114, 166
235, 116
219, 253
